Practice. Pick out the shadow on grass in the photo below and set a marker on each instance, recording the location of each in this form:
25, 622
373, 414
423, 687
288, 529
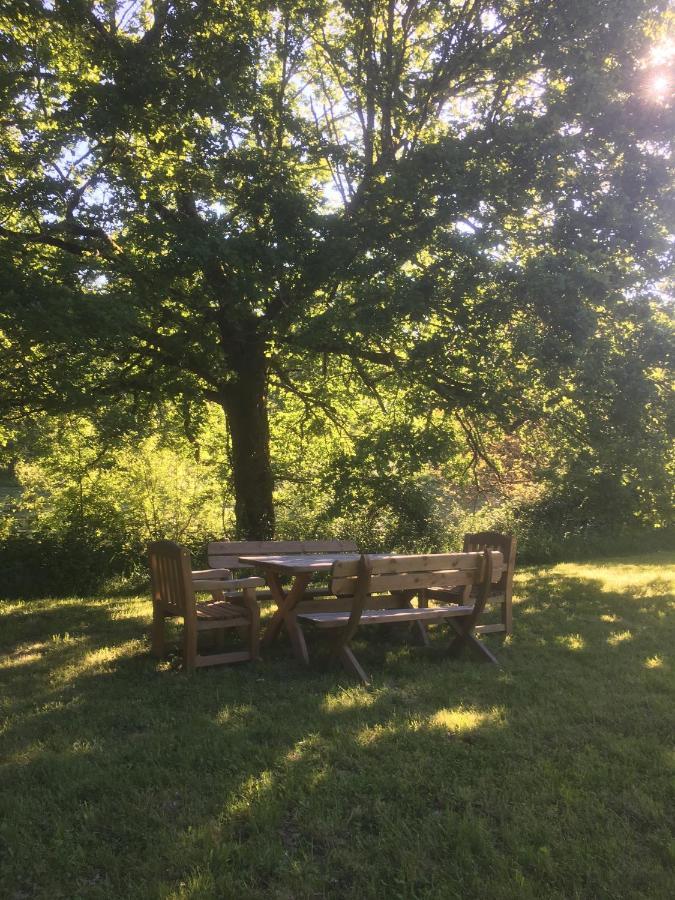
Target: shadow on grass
128, 778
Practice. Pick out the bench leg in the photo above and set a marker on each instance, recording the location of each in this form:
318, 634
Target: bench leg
352, 665
468, 639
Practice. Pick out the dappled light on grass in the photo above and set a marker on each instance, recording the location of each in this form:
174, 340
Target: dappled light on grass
125, 780
619, 637
252, 791
571, 642
453, 721
654, 662
638, 581
349, 698
102, 660
234, 716
458, 721
22, 655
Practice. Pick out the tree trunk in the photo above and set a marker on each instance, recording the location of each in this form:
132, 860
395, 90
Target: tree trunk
245, 405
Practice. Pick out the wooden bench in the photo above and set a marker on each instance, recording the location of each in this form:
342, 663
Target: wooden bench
223, 557
378, 590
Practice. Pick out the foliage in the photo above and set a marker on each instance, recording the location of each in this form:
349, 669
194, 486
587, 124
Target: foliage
87, 509
550, 778
84, 500
463, 202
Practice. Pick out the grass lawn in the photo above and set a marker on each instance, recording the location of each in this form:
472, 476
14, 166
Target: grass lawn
550, 777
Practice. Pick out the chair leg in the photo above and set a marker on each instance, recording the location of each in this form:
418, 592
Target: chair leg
157, 633
219, 633
254, 628
189, 646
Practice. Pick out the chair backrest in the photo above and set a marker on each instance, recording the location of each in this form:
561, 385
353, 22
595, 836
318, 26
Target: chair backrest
405, 573
493, 540
171, 576
225, 554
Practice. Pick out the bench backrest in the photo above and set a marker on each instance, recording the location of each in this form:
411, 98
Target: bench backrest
506, 544
225, 554
171, 578
405, 573
358, 579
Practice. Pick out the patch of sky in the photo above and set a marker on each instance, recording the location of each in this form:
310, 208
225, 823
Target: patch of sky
468, 225
491, 21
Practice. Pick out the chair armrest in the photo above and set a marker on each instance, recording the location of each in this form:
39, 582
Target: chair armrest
252, 581
227, 585
202, 574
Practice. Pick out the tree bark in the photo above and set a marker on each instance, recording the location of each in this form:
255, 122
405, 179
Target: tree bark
245, 405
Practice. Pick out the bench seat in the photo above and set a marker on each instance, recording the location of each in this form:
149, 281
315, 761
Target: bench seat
382, 616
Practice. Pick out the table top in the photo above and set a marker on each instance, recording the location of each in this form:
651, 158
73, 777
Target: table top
295, 563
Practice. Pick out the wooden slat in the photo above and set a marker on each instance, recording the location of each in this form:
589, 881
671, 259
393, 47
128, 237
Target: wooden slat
212, 624
407, 581
218, 610
227, 553
210, 573
219, 659
445, 595
329, 603
490, 629
227, 585
310, 592
295, 563
429, 562
380, 616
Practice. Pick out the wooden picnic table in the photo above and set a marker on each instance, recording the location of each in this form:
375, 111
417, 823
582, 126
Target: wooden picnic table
302, 568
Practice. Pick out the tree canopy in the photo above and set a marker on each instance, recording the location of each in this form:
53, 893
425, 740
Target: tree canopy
463, 205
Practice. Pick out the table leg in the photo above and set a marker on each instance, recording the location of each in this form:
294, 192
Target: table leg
404, 598
284, 614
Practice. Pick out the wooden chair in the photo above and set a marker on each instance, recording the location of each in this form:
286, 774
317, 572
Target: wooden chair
223, 557
502, 591
354, 583
173, 595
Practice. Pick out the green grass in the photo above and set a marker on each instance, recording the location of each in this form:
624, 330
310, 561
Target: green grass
550, 777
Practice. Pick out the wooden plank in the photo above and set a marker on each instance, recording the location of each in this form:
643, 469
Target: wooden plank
408, 581
490, 629
329, 603
214, 623
220, 609
210, 573
228, 553
294, 564
430, 562
227, 585
219, 659
446, 596
380, 616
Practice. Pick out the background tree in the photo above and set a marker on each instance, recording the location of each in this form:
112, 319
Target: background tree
464, 201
